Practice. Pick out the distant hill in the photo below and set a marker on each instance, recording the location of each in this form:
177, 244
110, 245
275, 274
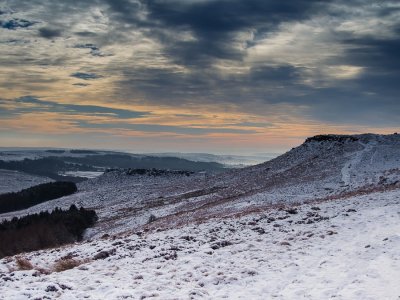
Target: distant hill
322, 168
55, 164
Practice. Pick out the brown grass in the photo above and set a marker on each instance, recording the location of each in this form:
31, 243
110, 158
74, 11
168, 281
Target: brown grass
67, 264
23, 263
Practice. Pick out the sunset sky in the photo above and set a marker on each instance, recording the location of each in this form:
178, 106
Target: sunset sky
234, 76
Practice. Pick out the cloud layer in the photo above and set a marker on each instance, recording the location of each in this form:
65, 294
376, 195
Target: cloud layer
333, 63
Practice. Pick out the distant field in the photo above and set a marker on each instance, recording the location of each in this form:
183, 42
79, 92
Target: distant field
84, 174
14, 181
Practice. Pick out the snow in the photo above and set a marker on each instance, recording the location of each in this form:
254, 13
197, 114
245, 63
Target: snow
311, 171
84, 174
356, 159
14, 181
234, 235
342, 249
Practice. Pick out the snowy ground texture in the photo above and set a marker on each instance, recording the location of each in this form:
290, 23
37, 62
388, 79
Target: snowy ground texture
339, 249
14, 181
321, 221
317, 169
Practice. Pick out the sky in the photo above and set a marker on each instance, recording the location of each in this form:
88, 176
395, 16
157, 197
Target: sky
217, 76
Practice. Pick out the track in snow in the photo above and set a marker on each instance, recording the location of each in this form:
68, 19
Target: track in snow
354, 160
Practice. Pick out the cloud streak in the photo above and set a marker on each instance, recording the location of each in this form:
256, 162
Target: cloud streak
31, 104
86, 76
14, 24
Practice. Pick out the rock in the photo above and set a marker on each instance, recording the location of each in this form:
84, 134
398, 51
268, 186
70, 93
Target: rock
51, 288
65, 287
188, 238
292, 211
221, 244
259, 230
104, 254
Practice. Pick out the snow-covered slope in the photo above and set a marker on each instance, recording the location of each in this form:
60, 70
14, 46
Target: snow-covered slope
14, 181
321, 221
341, 249
324, 167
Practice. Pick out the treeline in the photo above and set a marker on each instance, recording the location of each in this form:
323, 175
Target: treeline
43, 230
35, 195
144, 162
79, 151
332, 138
156, 172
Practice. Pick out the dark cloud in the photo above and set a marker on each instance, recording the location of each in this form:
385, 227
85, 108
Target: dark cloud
354, 107
125, 11
86, 76
15, 41
16, 23
269, 84
94, 50
85, 34
215, 24
49, 33
362, 99
37, 105
87, 46
282, 74
370, 98
375, 52
195, 37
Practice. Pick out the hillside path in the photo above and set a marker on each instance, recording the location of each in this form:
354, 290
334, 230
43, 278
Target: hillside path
355, 159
